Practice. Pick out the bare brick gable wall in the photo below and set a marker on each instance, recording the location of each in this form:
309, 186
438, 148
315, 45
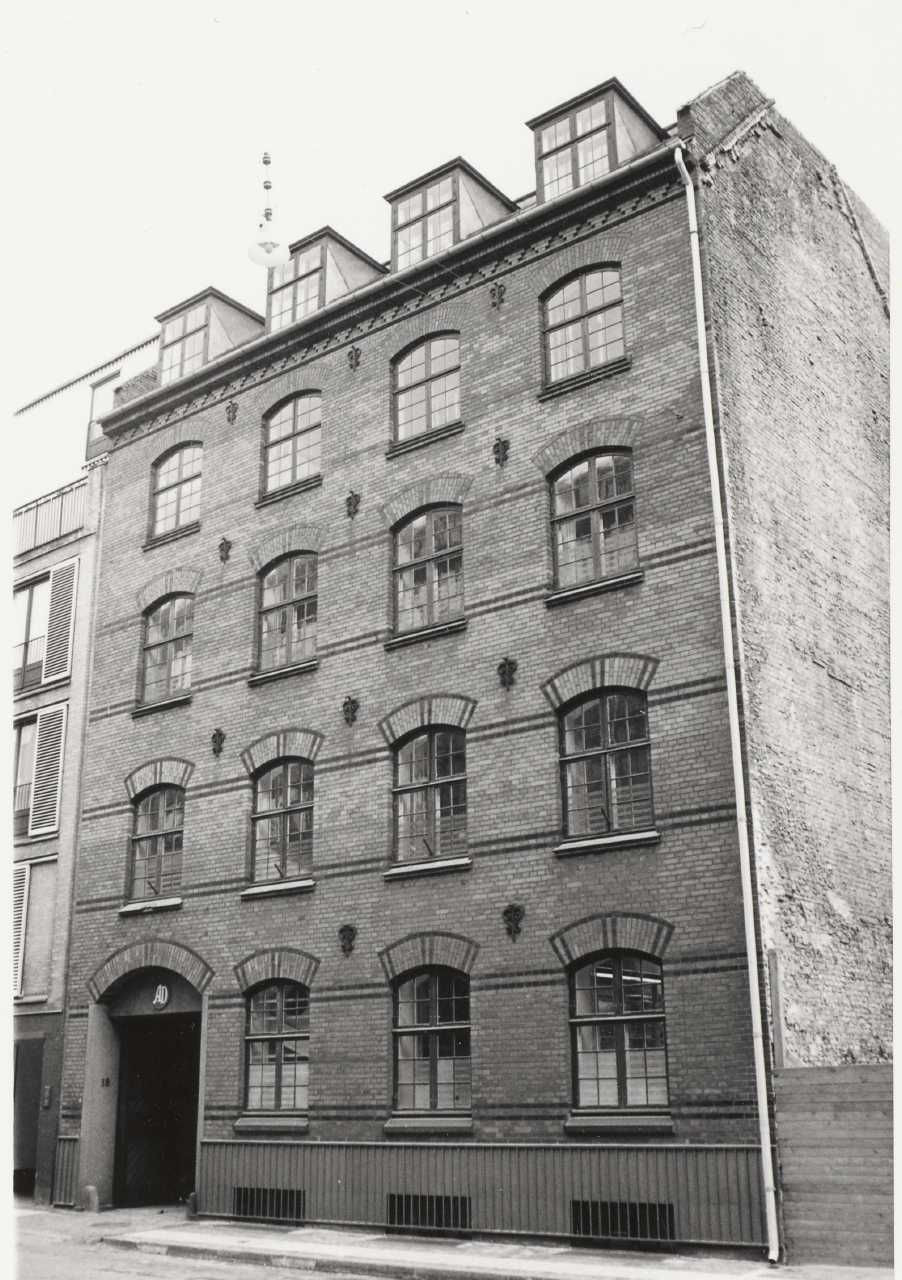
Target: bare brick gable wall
796, 269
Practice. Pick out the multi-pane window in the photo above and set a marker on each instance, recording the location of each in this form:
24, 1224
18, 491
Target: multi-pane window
176, 489
432, 1042
296, 290
167, 649
594, 519
25, 734
424, 223
291, 442
429, 572
288, 612
574, 150
182, 343
427, 387
157, 843
283, 822
605, 764
584, 324
31, 606
617, 1023
430, 796
278, 1043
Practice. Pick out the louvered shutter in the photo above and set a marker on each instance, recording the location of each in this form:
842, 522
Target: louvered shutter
58, 646
20, 915
48, 771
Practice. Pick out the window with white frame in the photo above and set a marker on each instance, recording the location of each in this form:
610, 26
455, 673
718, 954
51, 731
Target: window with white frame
156, 863
583, 324
176, 489
426, 386
277, 1039
168, 636
296, 289
183, 344
292, 440
288, 612
283, 821
424, 222
594, 519
431, 1036
430, 795
428, 572
606, 764
574, 149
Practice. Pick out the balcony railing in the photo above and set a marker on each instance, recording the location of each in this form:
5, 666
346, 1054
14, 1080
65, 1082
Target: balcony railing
28, 663
21, 808
50, 517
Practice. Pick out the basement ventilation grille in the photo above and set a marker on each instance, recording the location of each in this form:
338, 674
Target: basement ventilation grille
269, 1204
429, 1213
622, 1220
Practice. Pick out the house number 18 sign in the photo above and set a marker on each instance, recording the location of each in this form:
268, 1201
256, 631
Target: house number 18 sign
160, 996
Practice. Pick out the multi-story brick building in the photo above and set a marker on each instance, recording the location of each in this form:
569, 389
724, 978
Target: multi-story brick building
427, 831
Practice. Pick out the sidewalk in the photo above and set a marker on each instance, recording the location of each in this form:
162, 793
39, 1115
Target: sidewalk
370, 1253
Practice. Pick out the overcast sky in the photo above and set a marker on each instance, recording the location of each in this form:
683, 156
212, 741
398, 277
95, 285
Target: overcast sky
133, 176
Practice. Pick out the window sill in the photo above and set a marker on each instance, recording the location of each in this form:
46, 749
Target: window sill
620, 1121
148, 708
145, 907
30, 999
431, 1123
28, 691
172, 535
600, 843
282, 673
563, 595
289, 490
583, 379
26, 842
426, 437
432, 632
304, 885
433, 867
252, 1122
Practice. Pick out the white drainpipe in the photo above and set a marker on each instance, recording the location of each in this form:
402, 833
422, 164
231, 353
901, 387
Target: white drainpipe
748, 910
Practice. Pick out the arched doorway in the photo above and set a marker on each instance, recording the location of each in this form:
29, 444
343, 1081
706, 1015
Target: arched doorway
156, 1015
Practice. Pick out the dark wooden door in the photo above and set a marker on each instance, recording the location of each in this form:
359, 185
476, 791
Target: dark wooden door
157, 1120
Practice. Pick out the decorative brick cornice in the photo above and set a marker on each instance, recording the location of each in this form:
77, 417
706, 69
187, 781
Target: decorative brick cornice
293, 537
628, 670
423, 950
419, 713
510, 245
277, 963
276, 746
611, 931
600, 434
449, 487
167, 771
151, 953
170, 582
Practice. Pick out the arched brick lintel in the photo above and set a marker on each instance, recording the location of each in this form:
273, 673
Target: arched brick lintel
611, 931
628, 670
151, 953
436, 708
276, 746
167, 771
171, 582
449, 487
277, 962
292, 538
423, 950
600, 433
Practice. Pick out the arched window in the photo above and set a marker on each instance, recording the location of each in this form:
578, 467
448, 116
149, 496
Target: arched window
176, 489
583, 324
429, 569
605, 764
292, 442
168, 631
283, 821
432, 1041
427, 386
288, 612
430, 795
617, 1026
277, 1047
594, 519
156, 863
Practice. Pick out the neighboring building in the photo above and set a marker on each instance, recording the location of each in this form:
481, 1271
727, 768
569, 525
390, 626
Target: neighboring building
416, 886
56, 541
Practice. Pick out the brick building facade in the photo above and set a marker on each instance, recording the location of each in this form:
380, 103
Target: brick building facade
409, 818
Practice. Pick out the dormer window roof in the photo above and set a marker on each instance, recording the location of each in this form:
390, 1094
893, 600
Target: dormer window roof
440, 208
196, 331
586, 137
323, 266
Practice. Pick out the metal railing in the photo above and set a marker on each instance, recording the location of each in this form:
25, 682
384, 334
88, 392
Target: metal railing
28, 663
49, 517
22, 798
686, 1194
65, 1173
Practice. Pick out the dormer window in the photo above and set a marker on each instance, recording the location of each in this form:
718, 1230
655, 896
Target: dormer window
297, 289
444, 206
182, 344
424, 223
